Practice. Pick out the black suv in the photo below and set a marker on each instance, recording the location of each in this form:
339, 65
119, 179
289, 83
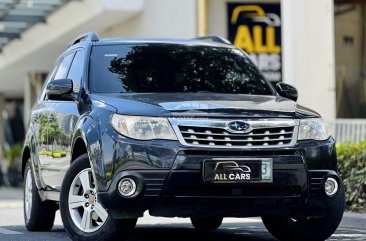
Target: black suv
181, 128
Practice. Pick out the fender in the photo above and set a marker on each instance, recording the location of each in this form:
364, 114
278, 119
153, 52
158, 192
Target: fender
29, 152
87, 130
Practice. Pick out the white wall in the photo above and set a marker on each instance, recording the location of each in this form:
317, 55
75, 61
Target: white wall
160, 18
308, 53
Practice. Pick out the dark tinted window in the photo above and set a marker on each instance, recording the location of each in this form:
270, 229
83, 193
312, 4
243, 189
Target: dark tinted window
76, 70
174, 68
63, 69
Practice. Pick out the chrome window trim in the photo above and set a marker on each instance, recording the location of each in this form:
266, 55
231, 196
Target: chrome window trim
222, 123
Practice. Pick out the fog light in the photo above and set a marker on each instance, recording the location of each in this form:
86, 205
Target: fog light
331, 186
127, 187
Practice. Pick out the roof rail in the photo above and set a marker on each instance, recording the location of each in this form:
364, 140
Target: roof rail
91, 36
214, 38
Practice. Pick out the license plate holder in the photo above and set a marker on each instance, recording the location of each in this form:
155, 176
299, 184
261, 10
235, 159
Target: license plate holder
238, 170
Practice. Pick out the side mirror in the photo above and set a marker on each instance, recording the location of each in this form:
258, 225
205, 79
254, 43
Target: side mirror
287, 91
60, 89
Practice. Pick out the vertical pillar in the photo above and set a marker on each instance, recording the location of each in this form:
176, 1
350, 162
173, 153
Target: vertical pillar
308, 53
27, 101
32, 88
3, 163
202, 17
2, 132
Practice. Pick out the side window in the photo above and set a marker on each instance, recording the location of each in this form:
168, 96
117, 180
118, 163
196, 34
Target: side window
61, 72
48, 78
76, 70
64, 67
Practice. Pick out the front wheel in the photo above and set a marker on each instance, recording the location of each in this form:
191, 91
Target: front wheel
210, 223
83, 216
311, 228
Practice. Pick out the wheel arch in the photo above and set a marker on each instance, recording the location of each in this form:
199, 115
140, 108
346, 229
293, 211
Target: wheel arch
29, 152
86, 139
26, 154
79, 148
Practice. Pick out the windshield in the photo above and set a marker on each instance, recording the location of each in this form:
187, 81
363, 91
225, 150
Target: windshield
174, 68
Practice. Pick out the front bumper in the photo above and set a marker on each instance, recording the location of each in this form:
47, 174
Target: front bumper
178, 189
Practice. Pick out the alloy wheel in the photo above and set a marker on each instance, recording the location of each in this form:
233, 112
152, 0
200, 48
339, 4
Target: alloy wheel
85, 210
28, 194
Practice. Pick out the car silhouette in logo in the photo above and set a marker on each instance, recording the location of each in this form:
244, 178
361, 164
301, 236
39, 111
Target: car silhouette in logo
257, 14
238, 126
231, 166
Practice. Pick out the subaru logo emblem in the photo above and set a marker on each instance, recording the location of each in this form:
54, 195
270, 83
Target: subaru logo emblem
238, 126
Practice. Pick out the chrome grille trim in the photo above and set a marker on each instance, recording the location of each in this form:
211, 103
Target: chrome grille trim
217, 134
214, 133
237, 140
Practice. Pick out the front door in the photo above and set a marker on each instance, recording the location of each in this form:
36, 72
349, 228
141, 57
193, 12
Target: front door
65, 114
53, 154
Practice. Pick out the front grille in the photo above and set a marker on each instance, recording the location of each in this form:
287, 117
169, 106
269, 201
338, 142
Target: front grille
220, 137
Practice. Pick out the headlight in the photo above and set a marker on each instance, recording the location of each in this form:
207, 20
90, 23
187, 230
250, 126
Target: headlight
143, 128
313, 129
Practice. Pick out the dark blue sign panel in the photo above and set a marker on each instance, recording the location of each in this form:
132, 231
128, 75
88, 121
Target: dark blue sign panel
256, 28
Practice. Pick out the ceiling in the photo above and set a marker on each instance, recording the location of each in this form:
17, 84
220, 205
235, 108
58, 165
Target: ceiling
39, 46
16, 16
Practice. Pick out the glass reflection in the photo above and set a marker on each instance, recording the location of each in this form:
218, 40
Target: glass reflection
174, 68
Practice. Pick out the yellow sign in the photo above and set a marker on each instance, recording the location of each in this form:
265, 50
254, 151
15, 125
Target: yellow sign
256, 28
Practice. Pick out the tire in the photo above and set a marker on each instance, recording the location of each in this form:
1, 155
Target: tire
210, 223
314, 229
38, 215
98, 225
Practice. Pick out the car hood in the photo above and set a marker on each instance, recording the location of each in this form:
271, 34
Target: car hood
204, 104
